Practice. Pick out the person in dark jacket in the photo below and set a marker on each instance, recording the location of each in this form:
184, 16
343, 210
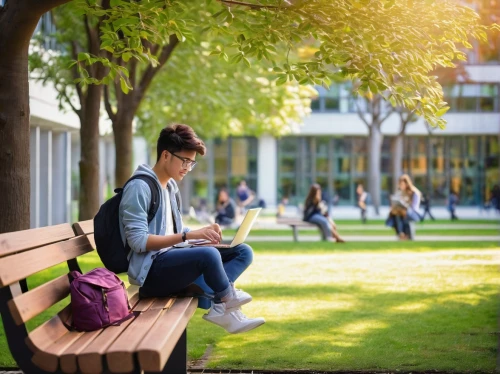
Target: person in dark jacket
226, 209
452, 204
316, 211
426, 204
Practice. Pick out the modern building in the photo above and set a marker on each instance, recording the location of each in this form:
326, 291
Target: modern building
330, 148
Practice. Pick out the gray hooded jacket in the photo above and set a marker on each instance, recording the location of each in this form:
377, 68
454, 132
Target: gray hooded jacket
134, 227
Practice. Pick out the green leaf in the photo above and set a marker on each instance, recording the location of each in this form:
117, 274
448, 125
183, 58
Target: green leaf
442, 111
126, 56
282, 79
124, 86
82, 56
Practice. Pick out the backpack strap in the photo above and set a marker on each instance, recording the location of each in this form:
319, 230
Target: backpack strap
155, 193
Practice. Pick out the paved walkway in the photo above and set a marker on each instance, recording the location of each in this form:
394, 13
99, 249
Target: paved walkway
378, 238
265, 224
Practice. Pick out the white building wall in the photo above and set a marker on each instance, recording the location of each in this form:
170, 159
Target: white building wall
267, 170
483, 73
351, 124
60, 178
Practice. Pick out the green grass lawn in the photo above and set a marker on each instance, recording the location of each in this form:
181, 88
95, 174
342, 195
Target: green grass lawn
229, 233
393, 306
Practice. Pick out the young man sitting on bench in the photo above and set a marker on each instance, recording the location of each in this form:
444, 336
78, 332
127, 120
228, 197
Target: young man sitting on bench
161, 268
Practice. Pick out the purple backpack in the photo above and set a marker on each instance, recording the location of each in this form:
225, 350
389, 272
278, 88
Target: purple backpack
98, 299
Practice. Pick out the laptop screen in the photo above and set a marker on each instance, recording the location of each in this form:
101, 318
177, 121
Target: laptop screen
245, 226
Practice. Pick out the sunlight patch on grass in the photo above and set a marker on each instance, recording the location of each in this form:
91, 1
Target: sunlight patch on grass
284, 309
363, 310
353, 333
410, 307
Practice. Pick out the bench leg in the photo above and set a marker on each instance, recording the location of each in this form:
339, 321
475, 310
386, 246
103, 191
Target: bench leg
295, 234
177, 362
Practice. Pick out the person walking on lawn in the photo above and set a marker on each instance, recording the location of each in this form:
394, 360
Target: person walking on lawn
426, 204
162, 263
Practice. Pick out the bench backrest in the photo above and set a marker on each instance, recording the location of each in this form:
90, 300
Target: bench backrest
27, 252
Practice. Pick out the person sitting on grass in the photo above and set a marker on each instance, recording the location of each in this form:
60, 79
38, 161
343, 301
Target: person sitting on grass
316, 211
226, 209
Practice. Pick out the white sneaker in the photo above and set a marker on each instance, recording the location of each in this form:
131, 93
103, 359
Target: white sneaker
236, 298
233, 320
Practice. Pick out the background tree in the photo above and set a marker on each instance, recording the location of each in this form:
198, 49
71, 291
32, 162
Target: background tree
18, 20
221, 99
389, 46
397, 145
377, 111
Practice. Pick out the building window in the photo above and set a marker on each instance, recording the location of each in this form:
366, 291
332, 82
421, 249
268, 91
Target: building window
337, 98
482, 97
227, 162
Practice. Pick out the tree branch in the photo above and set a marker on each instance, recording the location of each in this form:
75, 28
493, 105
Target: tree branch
74, 52
107, 104
66, 97
386, 116
36, 6
405, 121
361, 114
151, 71
249, 5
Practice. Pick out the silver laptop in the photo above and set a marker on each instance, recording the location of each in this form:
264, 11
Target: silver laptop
241, 234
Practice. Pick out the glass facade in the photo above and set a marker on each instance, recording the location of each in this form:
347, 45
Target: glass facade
476, 98
225, 164
469, 165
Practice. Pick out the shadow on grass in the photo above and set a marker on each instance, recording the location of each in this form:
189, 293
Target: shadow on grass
378, 247
352, 328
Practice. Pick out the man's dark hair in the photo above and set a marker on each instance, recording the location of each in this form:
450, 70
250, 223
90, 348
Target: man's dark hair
177, 138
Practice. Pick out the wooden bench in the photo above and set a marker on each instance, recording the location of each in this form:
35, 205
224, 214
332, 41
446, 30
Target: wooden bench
295, 224
153, 341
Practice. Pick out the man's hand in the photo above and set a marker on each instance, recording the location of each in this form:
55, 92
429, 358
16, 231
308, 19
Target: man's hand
212, 233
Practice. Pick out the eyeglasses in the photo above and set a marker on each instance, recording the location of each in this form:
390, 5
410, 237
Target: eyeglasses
187, 163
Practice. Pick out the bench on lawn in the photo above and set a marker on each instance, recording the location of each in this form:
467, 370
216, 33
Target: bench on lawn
295, 223
153, 341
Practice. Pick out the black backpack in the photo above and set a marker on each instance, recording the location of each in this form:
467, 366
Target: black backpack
107, 236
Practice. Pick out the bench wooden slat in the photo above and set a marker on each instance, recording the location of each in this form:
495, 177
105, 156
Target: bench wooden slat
84, 227
19, 241
143, 304
160, 341
48, 359
68, 359
50, 330
90, 358
41, 258
32, 303
120, 355
133, 295
43, 336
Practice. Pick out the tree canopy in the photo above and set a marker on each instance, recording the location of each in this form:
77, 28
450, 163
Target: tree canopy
220, 99
389, 47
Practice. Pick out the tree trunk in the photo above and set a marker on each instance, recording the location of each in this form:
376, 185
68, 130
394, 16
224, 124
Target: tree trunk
18, 20
122, 130
397, 160
374, 161
89, 154
90, 192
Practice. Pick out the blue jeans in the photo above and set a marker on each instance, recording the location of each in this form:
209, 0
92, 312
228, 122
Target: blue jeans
210, 268
323, 224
